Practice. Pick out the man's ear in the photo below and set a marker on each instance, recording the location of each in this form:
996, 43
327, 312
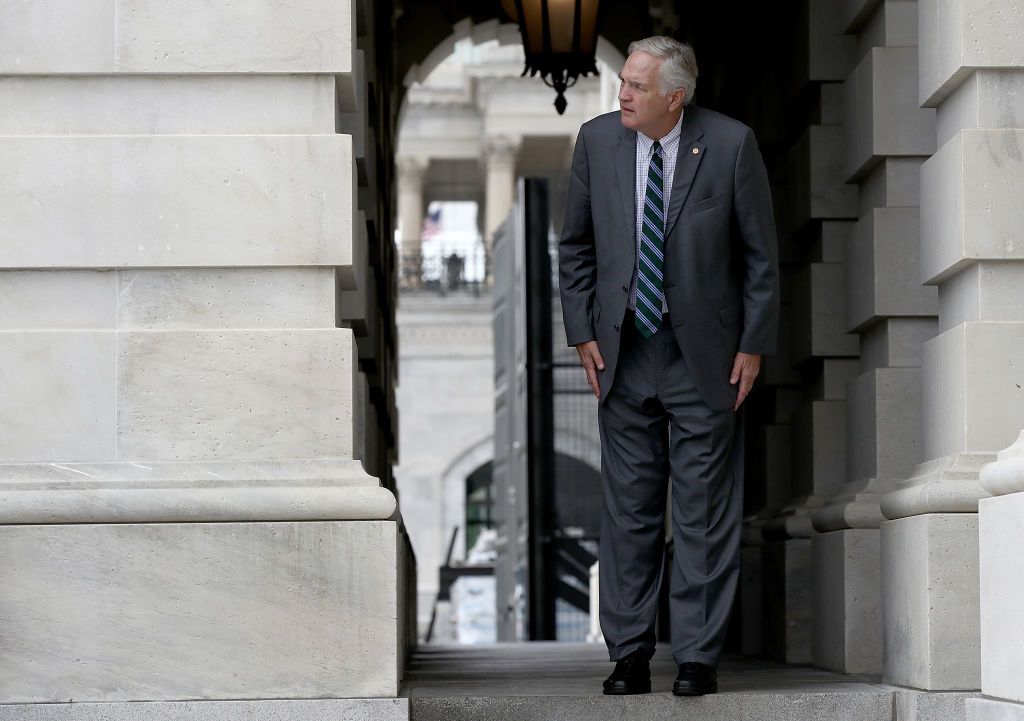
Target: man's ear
676, 99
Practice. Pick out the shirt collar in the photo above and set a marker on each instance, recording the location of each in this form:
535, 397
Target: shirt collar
672, 137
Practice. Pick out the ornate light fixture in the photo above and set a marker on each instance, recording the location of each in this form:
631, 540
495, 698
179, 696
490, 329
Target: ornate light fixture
560, 40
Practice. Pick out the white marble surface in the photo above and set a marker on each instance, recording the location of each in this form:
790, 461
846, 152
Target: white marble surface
973, 388
167, 104
992, 709
959, 35
51, 299
234, 394
962, 219
142, 36
56, 399
986, 99
986, 290
48, 36
883, 115
931, 636
1001, 522
176, 200
163, 612
847, 596
1005, 474
209, 298
883, 269
355, 709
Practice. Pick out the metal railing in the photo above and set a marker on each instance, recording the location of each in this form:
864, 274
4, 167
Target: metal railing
445, 272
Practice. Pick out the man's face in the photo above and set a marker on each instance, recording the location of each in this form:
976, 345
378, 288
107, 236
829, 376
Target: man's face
643, 106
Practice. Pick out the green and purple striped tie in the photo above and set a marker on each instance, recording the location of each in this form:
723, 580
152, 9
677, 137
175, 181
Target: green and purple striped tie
652, 250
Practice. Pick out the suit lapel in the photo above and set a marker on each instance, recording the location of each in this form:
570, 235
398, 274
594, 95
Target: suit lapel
625, 170
687, 162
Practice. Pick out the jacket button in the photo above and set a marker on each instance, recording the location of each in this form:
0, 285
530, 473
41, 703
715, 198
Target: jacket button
625, 289
616, 329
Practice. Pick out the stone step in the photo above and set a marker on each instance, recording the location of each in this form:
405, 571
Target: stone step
562, 682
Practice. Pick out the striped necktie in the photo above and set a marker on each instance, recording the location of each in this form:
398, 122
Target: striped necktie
652, 250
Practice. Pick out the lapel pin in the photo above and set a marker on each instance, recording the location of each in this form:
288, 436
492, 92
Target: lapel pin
695, 151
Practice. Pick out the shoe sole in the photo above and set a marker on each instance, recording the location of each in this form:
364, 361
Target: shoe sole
626, 692
695, 691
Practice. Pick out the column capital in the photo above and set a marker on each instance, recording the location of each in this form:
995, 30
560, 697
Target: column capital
500, 151
410, 169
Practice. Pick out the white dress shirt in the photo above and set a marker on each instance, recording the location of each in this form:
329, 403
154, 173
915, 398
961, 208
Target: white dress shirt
669, 153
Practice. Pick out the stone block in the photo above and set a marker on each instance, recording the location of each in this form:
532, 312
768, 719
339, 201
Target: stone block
751, 600
930, 605
835, 374
957, 36
970, 202
355, 709
136, 36
262, 298
191, 395
167, 104
176, 201
984, 291
51, 300
818, 169
53, 36
819, 448
884, 424
883, 116
819, 327
830, 52
986, 99
913, 705
778, 463
305, 36
786, 589
893, 182
973, 388
56, 399
1001, 532
847, 632
883, 276
993, 709
198, 611
896, 342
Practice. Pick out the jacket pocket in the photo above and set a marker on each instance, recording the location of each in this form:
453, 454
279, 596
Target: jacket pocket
730, 315
708, 203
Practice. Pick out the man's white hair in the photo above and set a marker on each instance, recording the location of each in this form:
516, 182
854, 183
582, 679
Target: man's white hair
678, 66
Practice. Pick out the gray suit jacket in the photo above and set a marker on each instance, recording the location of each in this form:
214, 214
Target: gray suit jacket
721, 252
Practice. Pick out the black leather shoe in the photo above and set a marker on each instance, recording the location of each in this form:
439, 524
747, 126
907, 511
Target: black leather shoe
695, 679
632, 674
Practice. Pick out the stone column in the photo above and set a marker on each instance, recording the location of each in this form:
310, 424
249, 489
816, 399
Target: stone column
183, 510
410, 216
972, 250
1002, 587
887, 137
500, 155
820, 353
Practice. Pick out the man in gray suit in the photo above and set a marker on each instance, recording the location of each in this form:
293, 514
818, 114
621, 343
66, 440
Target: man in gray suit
668, 270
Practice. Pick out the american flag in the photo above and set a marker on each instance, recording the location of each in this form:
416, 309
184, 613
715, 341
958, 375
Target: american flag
431, 224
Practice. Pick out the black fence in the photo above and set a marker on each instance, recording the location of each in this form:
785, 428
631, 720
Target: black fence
443, 272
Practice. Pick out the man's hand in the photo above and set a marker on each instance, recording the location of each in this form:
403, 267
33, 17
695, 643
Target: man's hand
592, 362
744, 370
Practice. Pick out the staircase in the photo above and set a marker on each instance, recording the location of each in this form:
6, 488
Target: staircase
562, 682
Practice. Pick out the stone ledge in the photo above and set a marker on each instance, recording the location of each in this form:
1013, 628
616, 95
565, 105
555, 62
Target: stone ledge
191, 492
355, 709
945, 485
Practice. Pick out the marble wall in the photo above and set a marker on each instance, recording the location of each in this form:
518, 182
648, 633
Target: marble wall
197, 354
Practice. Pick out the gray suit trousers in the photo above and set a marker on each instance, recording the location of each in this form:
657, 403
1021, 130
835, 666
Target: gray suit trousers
655, 429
